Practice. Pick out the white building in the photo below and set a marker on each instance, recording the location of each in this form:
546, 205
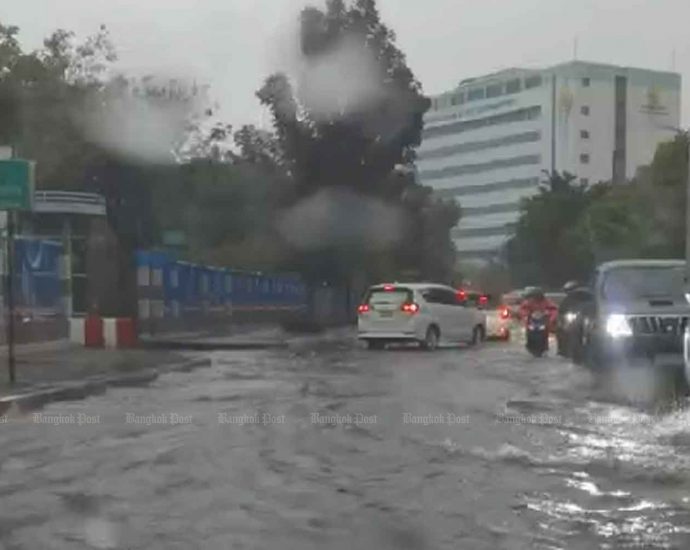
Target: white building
488, 142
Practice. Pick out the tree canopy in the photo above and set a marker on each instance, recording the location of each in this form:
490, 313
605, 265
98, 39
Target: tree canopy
347, 124
566, 229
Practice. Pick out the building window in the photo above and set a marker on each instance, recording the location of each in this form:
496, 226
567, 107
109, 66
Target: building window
529, 113
513, 86
478, 168
586, 82
584, 134
494, 90
585, 110
476, 93
584, 181
533, 81
584, 158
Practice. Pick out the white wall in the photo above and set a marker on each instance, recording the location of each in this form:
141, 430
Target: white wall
479, 243
647, 127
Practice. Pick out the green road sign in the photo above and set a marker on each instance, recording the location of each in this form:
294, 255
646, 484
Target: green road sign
16, 184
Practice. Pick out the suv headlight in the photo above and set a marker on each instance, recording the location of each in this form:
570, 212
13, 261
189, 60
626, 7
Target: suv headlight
617, 325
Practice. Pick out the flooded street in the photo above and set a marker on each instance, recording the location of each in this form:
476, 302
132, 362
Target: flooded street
326, 445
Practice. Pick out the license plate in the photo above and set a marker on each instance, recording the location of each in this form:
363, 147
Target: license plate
385, 314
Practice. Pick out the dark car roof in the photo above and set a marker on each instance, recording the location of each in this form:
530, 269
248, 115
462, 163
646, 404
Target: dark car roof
607, 266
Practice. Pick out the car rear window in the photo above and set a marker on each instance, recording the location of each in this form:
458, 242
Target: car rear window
396, 296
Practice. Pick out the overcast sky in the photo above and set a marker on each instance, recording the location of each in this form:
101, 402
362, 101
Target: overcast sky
234, 44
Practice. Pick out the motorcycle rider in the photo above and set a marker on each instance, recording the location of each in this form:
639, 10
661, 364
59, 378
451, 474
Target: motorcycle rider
568, 327
536, 300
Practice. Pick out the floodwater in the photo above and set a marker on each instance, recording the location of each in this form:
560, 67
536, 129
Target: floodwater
327, 445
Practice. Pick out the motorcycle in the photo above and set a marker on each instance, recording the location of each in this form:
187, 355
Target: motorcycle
537, 333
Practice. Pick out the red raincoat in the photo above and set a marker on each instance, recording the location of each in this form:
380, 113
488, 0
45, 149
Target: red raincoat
530, 305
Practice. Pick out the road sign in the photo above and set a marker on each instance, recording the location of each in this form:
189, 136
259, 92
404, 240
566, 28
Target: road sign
16, 184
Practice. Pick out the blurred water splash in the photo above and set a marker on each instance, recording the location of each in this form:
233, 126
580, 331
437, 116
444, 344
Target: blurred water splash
147, 127
344, 79
335, 217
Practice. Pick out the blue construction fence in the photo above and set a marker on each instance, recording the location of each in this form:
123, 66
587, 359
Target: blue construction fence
39, 291
37, 284
175, 293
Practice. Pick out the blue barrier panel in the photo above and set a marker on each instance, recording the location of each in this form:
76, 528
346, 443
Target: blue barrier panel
216, 287
185, 291
226, 275
191, 286
37, 276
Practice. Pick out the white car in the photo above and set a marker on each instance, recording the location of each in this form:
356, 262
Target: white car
499, 323
499, 320
426, 313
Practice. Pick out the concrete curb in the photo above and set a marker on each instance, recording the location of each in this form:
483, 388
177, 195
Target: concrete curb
93, 386
211, 345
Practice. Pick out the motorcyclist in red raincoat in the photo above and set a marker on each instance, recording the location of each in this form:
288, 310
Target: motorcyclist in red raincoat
536, 300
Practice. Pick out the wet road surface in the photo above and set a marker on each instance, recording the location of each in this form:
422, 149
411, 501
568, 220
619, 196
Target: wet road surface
332, 446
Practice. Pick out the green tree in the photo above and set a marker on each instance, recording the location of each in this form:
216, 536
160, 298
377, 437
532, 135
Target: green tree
663, 191
541, 249
349, 121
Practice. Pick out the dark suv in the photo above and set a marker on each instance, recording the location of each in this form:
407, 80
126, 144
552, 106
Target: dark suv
636, 313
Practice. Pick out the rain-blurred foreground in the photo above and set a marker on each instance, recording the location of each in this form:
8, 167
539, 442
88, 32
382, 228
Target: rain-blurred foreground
331, 446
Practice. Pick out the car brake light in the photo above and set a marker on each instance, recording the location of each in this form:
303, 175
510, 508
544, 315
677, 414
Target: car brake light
504, 313
363, 308
483, 300
410, 308
461, 294
388, 288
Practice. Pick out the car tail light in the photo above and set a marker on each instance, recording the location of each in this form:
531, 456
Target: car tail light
461, 295
388, 288
363, 308
504, 313
483, 300
410, 308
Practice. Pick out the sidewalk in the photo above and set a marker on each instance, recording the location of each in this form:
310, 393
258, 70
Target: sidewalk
49, 370
56, 370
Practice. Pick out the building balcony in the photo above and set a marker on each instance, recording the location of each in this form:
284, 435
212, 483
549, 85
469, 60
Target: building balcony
69, 202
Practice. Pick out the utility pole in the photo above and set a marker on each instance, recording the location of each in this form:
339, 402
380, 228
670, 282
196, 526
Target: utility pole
16, 193
11, 362
687, 216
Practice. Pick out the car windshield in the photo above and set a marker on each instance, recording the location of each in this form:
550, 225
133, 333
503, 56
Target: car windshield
212, 211
639, 283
